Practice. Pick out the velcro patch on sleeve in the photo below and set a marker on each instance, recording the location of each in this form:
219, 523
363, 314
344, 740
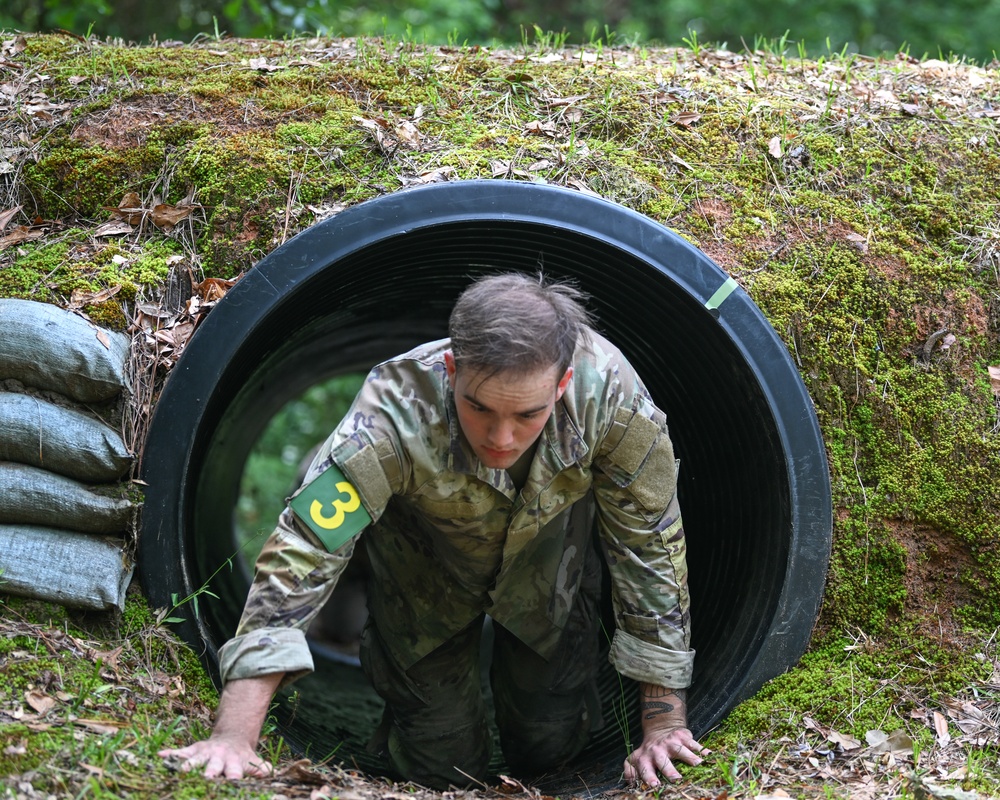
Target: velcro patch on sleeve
365, 468
331, 508
639, 437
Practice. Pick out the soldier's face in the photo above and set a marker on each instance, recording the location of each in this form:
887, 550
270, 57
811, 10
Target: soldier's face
502, 415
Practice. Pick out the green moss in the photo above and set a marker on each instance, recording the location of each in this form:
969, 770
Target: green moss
79, 180
852, 686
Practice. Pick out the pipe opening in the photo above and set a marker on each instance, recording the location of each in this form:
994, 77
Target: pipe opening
381, 278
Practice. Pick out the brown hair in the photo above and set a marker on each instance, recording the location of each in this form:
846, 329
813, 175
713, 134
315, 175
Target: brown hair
517, 323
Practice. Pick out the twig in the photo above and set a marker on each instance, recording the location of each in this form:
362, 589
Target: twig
932, 340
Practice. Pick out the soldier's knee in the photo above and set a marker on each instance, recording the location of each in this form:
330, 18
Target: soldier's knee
456, 757
543, 751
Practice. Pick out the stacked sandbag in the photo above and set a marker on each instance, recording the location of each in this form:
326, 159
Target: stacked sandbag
63, 510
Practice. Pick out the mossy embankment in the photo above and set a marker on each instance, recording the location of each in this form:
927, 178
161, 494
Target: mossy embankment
856, 200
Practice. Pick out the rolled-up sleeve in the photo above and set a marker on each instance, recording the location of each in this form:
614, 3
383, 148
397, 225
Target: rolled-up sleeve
294, 577
643, 539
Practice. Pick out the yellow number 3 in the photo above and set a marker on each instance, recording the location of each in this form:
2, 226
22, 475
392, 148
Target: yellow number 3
343, 508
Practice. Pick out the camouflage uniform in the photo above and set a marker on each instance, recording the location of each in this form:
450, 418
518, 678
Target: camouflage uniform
453, 540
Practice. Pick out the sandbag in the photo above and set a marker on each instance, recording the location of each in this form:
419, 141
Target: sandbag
71, 569
47, 347
42, 434
31, 496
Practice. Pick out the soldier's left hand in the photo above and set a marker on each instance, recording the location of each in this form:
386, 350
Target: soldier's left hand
657, 753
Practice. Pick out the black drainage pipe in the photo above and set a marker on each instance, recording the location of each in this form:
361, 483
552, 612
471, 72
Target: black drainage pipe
381, 277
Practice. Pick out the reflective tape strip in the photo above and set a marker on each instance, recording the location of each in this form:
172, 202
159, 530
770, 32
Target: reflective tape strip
721, 294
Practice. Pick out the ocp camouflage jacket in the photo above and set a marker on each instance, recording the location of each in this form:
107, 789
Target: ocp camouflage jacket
453, 539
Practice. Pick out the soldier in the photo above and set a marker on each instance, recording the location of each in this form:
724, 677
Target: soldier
479, 468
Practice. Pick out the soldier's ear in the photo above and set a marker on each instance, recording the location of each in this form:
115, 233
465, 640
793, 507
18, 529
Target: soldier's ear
564, 383
449, 365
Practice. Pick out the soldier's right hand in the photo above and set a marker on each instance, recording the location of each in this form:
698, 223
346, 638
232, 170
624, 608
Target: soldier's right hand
221, 757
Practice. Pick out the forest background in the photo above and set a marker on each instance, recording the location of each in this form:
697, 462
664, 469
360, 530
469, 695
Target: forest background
919, 27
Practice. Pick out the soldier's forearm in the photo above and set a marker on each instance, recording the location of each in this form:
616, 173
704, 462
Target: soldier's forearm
662, 708
243, 707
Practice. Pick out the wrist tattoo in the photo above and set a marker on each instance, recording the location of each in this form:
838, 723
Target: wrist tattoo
652, 709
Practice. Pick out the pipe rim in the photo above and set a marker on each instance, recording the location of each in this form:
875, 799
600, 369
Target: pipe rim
581, 219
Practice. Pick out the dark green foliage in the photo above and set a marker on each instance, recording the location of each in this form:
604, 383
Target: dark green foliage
963, 27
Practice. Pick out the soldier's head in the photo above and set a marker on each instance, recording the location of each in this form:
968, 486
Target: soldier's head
513, 338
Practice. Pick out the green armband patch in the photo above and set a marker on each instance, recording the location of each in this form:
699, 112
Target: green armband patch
331, 508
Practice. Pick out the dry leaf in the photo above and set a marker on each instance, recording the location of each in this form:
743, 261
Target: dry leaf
685, 119
39, 701
261, 65
115, 227
859, 241
300, 772
845, 741
129, 209
680, 161
103, 726
774, 147
439, 175
896, 743
80, 298
7, 216
547, 128
995, 379
408, 134
165, 216
22, 233
212, 289
580, 186
941, 729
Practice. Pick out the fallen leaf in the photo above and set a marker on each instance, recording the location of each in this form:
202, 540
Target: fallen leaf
102, 726
686, 118
261, 65
166, 216
896, 743
7, 216
39, 701
300, 772
214, 288
845, 741
129, 209
774, 147
859, 241
995, 379
941, 729
680, 161
439, 175
102, 337
22, 233
580, 186
80, 298
408, 134
115, 227
547, 128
